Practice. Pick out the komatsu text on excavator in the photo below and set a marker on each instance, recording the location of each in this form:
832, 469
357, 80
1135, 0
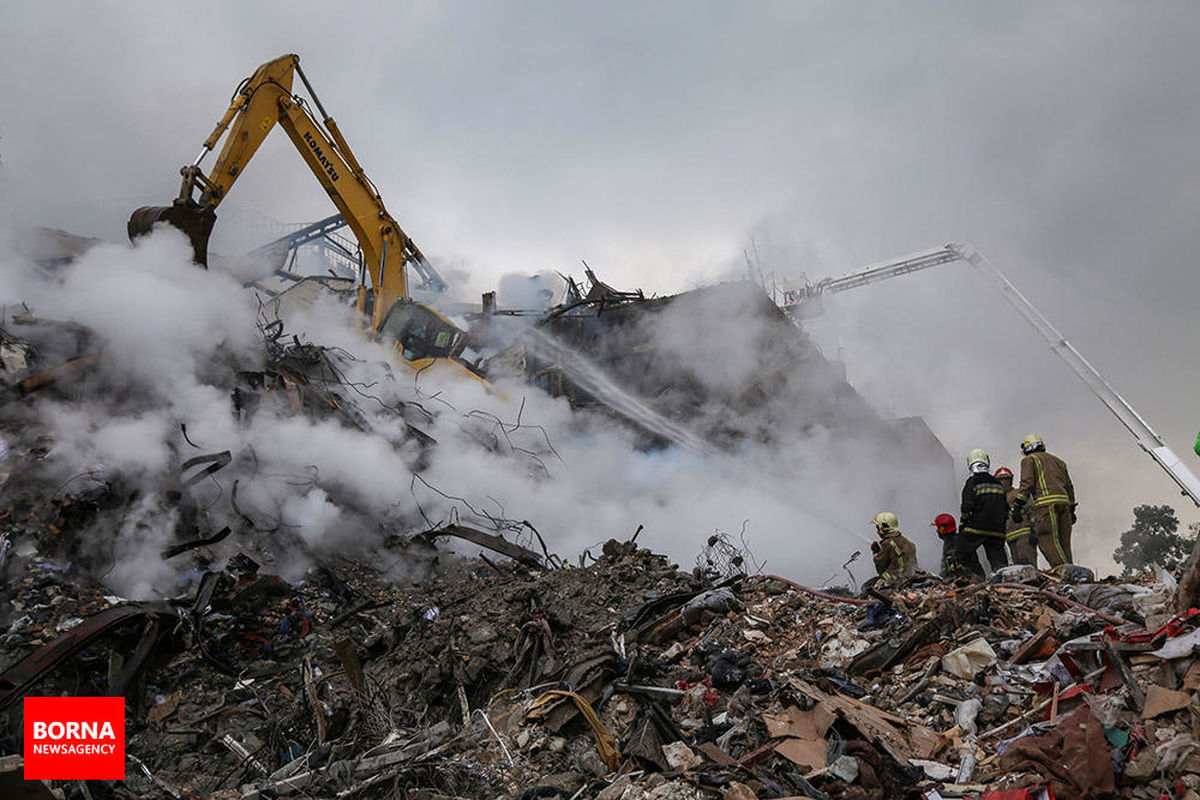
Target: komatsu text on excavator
423, 336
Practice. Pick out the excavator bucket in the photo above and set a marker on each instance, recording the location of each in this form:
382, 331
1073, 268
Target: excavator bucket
195, 221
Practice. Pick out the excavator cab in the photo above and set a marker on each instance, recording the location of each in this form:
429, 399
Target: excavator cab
419, 332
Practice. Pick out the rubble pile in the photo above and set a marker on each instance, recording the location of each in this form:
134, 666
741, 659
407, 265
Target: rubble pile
626, 678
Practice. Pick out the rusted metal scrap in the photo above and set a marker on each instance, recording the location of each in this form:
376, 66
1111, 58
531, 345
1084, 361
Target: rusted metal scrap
28, 671
130, 680
491, 541
214, 463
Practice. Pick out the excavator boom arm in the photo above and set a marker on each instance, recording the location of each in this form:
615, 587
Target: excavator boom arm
261, 101
252, 114
385, 247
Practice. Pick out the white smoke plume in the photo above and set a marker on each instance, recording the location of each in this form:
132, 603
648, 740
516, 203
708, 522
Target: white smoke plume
173, 337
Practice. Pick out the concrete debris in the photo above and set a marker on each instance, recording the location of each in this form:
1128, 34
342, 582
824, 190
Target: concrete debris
738, 791
680, 757
841, 647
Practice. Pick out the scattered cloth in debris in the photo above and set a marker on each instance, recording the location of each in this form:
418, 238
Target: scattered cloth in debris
716, 600
1073, 757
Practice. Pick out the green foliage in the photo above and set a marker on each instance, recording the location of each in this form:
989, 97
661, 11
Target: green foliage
1152, 540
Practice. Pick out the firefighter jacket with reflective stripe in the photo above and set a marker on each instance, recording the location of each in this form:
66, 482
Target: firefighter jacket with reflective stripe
1044, 480
897, 557
1016, 530
984, 506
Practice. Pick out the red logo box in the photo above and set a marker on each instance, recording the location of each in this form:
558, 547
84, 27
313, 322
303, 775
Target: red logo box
75, 738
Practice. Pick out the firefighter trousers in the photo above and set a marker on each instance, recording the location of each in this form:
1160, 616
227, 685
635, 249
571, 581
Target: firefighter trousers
950, 567
1023, 549
1052, 526
968, 555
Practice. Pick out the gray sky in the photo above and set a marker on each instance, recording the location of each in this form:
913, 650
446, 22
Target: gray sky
656, 140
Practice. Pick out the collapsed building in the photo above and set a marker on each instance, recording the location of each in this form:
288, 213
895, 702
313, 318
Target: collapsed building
463, 654
726, 365
312, 562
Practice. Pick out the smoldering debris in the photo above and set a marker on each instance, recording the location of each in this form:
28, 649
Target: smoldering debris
722, 364
142, 363
130, 516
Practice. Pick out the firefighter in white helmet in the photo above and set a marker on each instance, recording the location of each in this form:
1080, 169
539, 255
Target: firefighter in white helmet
982, 521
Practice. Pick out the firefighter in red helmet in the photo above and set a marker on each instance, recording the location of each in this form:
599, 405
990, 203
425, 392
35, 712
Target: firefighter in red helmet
947, 531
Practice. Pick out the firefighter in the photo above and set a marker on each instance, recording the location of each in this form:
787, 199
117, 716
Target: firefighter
982, 520
895, 556
947, 531
1046, 487
1018, 534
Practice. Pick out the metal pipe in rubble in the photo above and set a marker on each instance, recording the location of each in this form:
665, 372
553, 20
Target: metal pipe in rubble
857, 601
1051, 595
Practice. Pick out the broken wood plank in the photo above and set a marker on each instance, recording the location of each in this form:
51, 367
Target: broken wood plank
56, 373
901, 739
1136, 693
1031, 646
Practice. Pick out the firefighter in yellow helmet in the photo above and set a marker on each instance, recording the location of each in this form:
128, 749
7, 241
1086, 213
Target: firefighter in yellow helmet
1018, 534
895, 556
1047, 496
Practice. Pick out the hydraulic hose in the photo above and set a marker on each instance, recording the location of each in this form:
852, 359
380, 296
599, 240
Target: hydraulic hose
857, 601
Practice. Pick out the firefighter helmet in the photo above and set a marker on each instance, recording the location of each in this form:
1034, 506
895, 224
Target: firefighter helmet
945, 524
976, 458
885, 522
1032, 443
1003, 472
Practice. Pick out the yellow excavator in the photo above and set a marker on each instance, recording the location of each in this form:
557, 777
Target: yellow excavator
424, 337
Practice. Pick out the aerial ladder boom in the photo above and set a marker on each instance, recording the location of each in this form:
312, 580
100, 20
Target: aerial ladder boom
805, 301
1133, 422
881, 272
1146, 436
